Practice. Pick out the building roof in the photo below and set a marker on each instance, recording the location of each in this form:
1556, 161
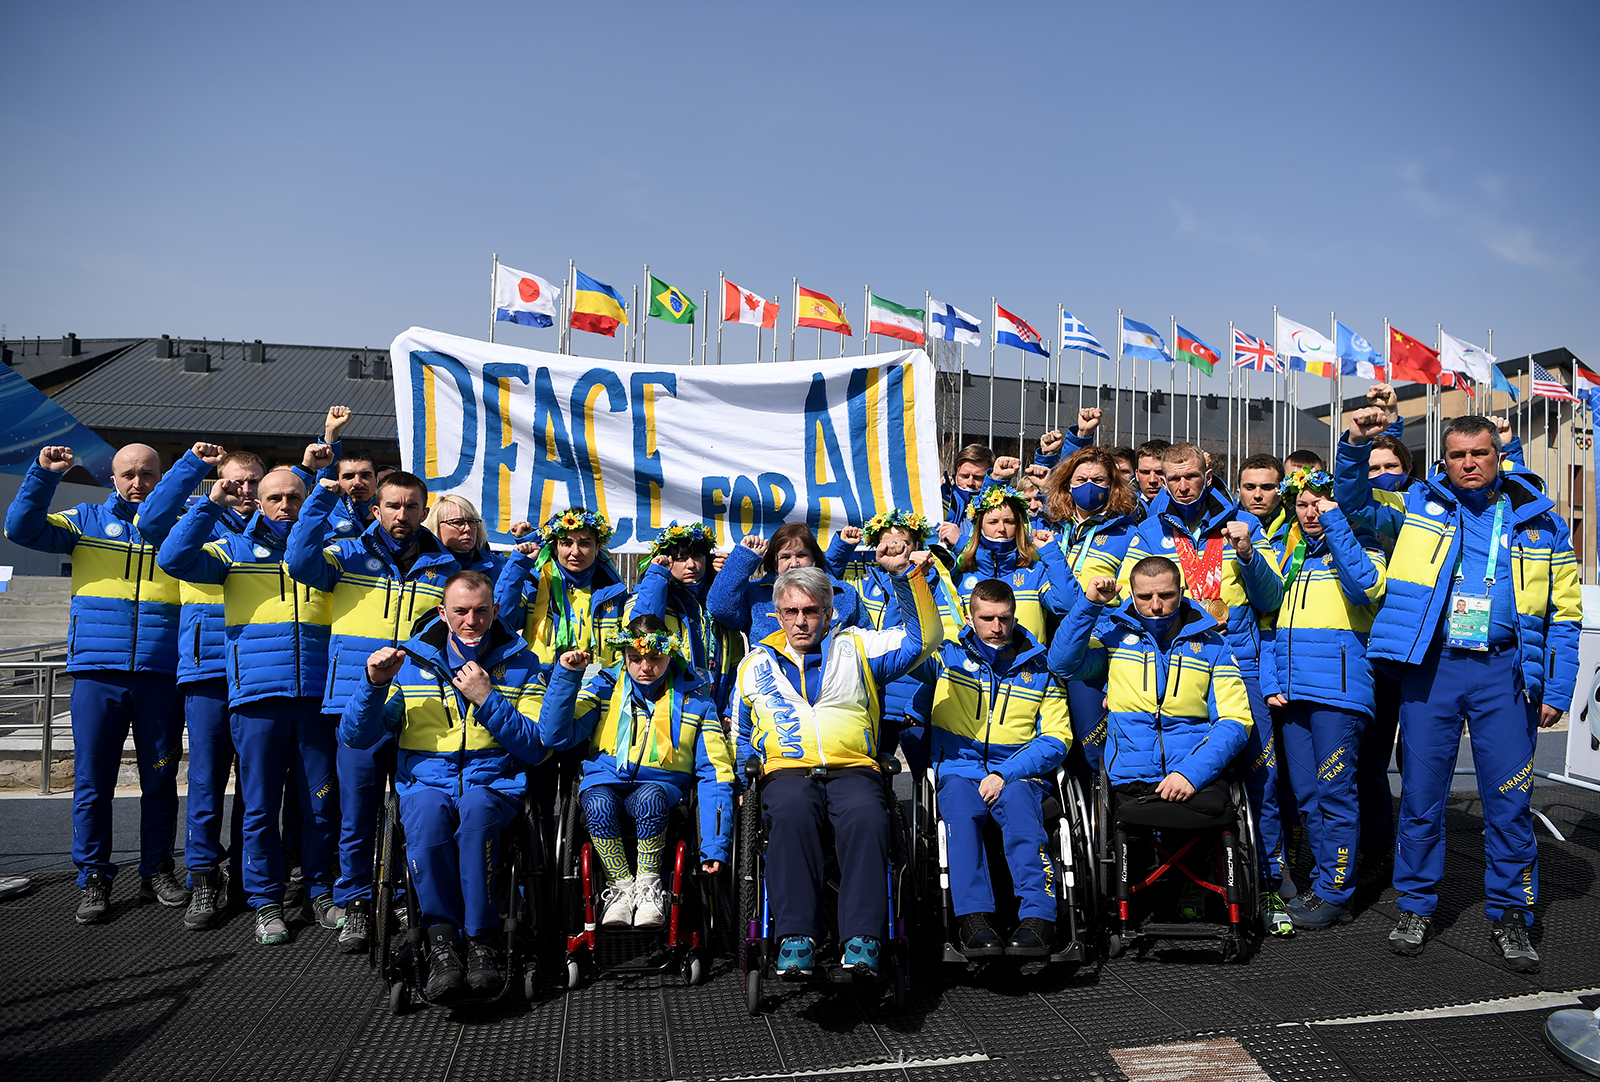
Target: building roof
49, 364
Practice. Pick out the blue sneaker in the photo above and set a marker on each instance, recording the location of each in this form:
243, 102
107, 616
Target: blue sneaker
860, 956
796, 957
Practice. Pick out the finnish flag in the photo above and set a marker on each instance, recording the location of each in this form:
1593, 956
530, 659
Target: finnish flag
954, 325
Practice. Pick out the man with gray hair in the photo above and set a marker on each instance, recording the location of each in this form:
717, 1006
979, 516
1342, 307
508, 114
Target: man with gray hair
808, 711
1481, 626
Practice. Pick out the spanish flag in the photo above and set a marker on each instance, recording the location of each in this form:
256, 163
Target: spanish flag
596, 307
819, 310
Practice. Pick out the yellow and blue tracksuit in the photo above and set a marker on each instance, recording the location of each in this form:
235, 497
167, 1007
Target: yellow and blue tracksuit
675, 742
1093, 548
1316, 657
277, 660
1180, 708
1251, 590
376, 602
1444, 538
744, 605
461, 769
997, 711
122, 651
1041, 588
553, 605
813, 721
709, 648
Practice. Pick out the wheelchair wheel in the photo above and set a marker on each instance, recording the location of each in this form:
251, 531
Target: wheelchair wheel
899, 983
694, 971
749, 871
1101, 821
399, 998
574, 974
752, 992
379, 953
530, 981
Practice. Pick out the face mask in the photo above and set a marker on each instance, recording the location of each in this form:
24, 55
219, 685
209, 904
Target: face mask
1090, 496
460, 651
1390, 482
279, 530
1191, 510
1159, 627
998, 544
989, 652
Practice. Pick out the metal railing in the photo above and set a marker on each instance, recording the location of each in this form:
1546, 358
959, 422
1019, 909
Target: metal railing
28, 677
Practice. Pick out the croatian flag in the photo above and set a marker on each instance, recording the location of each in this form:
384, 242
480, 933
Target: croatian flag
1356, 355
954, 325
1141, 342
1074, 335
524, 298
1012, 331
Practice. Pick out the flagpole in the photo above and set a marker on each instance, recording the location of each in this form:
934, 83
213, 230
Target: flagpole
572, 302
1276, 338
759, 329
1116, 392
994, 322
494, 277
961, 399
866, 307
1233, 380
844, 315
775, 335
705, 327
1188, 404
794, 318
722, 294
1336, 403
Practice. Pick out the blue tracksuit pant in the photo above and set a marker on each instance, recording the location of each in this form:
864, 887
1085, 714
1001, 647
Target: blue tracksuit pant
362, 776
1086, 707
1479, 688
794, 805
1019, 811
105, 705
1320, 745
270, 734
205, 714
452, 846
1259, 767
1372, 768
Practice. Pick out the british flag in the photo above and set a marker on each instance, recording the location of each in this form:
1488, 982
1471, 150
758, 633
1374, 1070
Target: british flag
1253, 353
1459, 380
1548, 385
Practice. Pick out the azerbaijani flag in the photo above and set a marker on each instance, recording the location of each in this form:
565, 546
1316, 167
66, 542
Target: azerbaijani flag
894, 320
1191, 350
596, 307
819, 310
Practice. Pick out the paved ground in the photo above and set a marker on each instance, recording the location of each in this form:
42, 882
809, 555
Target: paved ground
140, 998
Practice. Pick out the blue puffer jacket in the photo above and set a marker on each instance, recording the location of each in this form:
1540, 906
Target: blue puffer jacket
1041, 588
1180, 710
445, 742
277, 629
706, 644
124, 614
739, 604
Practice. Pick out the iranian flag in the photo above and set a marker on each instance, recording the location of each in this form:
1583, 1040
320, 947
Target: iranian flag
895, 320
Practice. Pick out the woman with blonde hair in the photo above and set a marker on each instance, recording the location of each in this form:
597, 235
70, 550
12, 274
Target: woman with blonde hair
459, 528
1002, 546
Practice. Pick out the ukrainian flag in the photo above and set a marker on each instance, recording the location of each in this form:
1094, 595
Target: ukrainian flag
596, 307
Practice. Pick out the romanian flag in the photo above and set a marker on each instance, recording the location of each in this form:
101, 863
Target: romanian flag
1191, 350
819, 310
596, 307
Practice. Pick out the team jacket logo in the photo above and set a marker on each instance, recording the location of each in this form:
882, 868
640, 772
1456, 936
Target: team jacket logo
783, 715
113, 529
1018, 579
261, 552
1196, 647
373, 563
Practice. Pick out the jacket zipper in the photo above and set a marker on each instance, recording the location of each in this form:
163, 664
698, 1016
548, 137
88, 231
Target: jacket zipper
138, 583
1342, 685
236, 668
196, 651
1437, 546
295, 594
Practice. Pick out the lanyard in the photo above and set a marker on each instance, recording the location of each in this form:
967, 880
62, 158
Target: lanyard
1494, 546
1085, 545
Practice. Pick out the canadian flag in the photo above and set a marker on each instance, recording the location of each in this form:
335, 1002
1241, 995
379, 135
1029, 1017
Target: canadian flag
743, 306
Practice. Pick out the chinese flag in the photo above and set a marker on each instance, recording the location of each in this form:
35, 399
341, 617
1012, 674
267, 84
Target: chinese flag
1410, 359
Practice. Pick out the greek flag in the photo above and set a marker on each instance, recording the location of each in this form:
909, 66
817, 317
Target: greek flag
1074, 335
954, 325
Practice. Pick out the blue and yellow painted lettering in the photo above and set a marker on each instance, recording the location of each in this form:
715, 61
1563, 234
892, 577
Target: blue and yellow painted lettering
553, 465
648, 475
826, 475
425, 417
500, 448
586, 392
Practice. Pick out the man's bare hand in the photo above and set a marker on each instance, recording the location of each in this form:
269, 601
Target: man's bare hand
527, 548
1549, 715
333, 424
1238, 535
1367, 423
1383, 397
1050, 442
989, 788
1005, 468
228, 493
575, 660
949, 533
850, 535
918, 562
1502, 426
383, 663
328, 483
209, 453
1175, 787
711, 867
521, 528
1277, 702
1037, 472
1089, 420
318, 457
472, 680
1102, 590
56, 459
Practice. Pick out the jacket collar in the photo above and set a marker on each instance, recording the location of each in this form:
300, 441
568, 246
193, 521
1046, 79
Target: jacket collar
1025, 648
1196, 624
429, 552
498, 645
1217, 510
1527, 501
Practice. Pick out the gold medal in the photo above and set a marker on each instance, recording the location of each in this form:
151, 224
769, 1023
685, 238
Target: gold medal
1217, 609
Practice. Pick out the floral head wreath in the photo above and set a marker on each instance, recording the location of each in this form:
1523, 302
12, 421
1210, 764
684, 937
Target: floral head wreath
996, 496
1307, 478
675, 535
913, 521
577, 518
648, 642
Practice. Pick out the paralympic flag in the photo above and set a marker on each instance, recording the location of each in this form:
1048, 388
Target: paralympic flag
1010, 330
520, 297
1074, 335
954, 325
1356, 355
1304, 349
1192, 351
1141, 342
596, 307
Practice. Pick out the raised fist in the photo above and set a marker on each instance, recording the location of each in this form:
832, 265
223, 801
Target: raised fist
1382, 395
1005, 467
663, 560
575, 660
327, 483
1043, 537
1101, 590
757, 545
1050, 442
228, 493
527, 548
1038, 473
949, 533
1324, 506
717, 560
209, 453
1503, 426
1238, 535
338, 417
1367, 423
1088, 419
318, 457
850, 535
917, 563
521, 528
383, 663
56, 459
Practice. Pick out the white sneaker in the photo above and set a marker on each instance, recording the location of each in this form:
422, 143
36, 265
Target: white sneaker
618, 899
650, 902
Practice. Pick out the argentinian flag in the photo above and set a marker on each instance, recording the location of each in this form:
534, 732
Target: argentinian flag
1140, 341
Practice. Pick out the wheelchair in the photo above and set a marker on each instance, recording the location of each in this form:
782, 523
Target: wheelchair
1140, 848
681, 945
398, 950
759, 945
1069, 826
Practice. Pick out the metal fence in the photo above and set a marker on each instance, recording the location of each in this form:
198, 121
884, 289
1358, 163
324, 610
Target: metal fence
31, 680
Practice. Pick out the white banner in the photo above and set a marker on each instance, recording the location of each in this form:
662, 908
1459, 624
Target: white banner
741, 448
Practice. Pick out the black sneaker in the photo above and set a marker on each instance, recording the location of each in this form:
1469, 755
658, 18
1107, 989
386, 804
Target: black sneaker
1410, 934
1034, 938
1510, 937
164, 887
96, 899
483, 967
978, 937
446, 976
356, 932
207, 901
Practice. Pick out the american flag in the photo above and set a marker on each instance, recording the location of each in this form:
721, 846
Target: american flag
1253, 353
1548, 385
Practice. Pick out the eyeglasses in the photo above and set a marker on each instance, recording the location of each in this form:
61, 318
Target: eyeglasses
458, 523
810, 612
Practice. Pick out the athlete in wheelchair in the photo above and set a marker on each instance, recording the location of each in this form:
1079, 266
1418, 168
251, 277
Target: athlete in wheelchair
463, 697
652, 744
999, 734
808, 703
1178, 714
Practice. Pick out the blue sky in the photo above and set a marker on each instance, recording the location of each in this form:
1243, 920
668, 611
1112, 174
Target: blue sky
334, 173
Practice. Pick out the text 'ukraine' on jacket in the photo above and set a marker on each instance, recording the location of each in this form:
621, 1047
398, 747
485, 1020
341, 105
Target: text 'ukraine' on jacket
1006, 717
558, 611
445, 741
1317, 652
675, 741
277, 629
375, 602
823, 708
124, 611
1182, 709
742, 604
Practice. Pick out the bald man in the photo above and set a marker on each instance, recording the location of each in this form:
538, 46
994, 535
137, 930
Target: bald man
122, 652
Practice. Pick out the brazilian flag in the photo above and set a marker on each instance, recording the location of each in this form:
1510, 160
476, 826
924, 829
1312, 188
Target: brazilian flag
669, 303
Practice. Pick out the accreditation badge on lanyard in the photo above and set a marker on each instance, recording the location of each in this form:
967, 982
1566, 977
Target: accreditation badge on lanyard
1467, 621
